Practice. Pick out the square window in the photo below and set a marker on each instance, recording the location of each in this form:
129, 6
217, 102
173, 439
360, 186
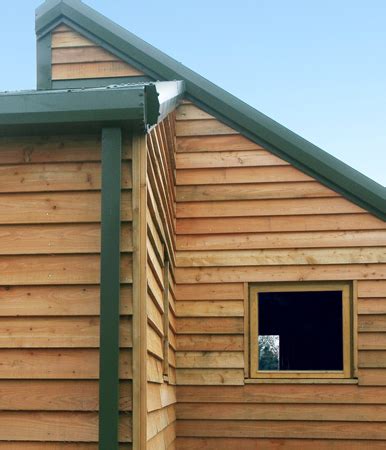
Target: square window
301, 331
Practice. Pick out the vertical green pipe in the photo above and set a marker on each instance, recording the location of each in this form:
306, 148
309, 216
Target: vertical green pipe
110, 289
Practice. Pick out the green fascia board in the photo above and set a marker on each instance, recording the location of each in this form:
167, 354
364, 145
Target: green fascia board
125, 104
71, 106
253, 124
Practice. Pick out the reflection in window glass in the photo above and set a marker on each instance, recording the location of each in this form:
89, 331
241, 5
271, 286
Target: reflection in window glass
269, 352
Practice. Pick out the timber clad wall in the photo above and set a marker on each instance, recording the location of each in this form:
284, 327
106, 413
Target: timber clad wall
49, 298
76, 57
221, 213
244, 216
161, 344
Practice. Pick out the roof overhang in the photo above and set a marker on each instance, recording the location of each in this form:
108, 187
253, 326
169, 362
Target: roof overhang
138, 106
251, 123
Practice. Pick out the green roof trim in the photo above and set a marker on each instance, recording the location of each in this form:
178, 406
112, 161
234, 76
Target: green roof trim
140, 105
253, 124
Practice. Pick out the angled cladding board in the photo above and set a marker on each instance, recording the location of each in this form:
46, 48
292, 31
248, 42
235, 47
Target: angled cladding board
161, 416
253, 124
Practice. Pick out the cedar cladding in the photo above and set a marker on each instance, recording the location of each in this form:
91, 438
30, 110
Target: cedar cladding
49, 308
244, 215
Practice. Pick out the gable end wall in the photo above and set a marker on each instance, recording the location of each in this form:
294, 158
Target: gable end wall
245, 216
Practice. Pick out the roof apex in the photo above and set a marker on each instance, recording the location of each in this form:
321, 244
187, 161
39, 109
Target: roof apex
248, 121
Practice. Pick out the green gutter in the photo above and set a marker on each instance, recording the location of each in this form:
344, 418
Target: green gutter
128, 105
110, 289
237, 114
75, 106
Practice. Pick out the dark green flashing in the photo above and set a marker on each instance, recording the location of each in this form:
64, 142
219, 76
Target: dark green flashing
43, 52
253, 124
96, 82
110, 289
131, 106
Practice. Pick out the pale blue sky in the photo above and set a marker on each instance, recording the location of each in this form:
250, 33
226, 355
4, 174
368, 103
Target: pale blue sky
317, 67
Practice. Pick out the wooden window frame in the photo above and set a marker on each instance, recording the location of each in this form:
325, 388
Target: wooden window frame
347, 326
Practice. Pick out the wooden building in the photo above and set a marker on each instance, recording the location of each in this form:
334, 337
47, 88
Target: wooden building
178, 271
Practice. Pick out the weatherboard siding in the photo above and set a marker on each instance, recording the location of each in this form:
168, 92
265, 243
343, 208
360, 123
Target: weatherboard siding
161, 345
244, 215
76, 57
49, 293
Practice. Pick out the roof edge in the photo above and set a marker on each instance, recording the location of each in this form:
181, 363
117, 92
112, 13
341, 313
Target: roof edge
304, 155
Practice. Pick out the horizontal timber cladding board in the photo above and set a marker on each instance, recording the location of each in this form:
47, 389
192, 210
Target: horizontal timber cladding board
57, 300
308, 239
93, 70
372, 341
225, 291
154, 235
371, 323
208, 360
280, 273
50, 177
50, 149
154, 343
282, 394
160, 396
210, 376
203, 127
372, 377
249, 411
215, 144
57, 364
212, 325
70, 38
253, 191
56, 426
226, 342
281, 257
284, 429
208, 160
372, 306
320, 222
54, 332
57, 269
189, 443
372, 359
159, 420
81, 55
154, 315
155, 264
272, 207
57, 239
210, 308
46, 395
240, 175
57, 207
154, 369
154, 290
191, 112
372, 289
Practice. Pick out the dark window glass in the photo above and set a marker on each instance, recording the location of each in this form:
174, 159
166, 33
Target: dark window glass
300, 330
